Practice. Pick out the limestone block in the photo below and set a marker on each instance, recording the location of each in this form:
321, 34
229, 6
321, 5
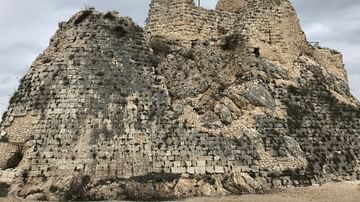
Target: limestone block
201, 163
190, 170
219, 169
178, 170
200, 170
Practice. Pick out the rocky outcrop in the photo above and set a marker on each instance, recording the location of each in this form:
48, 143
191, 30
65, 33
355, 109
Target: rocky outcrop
109, 111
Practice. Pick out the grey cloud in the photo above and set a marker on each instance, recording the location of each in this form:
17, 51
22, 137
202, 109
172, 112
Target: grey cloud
3, 104
20, 47
355, 84
335, 24
28, 25
5, 90
325, 9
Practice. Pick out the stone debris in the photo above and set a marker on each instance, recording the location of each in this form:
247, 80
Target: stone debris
198, 103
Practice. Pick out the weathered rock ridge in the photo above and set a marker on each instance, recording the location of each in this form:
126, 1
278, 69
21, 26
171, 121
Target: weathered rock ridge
198, 103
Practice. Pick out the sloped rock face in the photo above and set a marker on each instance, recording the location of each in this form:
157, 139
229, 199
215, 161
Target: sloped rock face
108, 112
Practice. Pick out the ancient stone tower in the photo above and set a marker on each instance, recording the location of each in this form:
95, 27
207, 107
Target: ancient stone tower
275, 31
234, 6
199, 102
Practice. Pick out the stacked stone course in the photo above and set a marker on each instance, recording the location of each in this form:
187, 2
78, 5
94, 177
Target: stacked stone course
200, 103
271, 26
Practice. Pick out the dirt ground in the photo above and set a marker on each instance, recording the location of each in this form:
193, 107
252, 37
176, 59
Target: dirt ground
332, 192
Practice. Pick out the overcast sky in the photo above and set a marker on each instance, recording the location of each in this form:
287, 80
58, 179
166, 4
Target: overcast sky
27, 25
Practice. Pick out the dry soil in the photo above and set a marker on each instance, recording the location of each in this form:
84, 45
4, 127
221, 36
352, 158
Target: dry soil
331, 192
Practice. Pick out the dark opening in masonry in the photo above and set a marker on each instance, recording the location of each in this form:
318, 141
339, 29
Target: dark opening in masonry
257, 52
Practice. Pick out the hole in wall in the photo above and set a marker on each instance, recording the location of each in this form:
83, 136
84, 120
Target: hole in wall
256, 52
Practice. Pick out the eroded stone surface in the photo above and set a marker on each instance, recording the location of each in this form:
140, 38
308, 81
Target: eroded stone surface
203, 103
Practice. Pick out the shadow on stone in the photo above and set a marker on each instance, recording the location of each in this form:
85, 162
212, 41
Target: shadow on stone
4, 189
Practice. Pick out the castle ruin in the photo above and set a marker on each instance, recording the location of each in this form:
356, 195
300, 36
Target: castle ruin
198, 103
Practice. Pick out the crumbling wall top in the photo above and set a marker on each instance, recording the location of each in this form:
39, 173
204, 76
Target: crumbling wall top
231, 5
272, 26
237, 6
173, 1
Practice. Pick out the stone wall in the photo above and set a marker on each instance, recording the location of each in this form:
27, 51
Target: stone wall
293, 120
104, 119
233, 6
109, 117
81, 91
181, 104
8, 152
332, 60
271, 26
184, 21
326, 128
